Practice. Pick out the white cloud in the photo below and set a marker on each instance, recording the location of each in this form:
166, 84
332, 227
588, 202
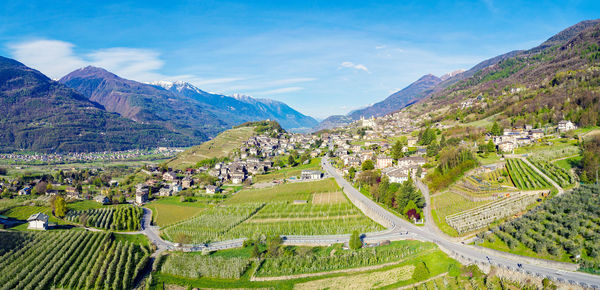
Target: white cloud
278, 91
348, 64
57, 58
52, 57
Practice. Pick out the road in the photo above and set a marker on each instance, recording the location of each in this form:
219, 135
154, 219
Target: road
398, 228
466, 252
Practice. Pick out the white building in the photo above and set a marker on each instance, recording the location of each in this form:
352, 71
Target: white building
38, 221
311, 174
565, 125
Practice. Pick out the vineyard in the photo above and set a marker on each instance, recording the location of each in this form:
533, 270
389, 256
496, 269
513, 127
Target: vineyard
197, 266
523, 176
561, 176
117, 219
329, 260
275, 211
483, 185
567, 224
73, 259
211, 224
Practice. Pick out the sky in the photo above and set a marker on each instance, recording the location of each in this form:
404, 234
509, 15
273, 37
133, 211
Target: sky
320, 57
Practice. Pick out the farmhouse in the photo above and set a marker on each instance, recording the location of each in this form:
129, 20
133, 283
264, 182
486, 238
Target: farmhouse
211, 189
141, 197
311, 174
565, 125
38, 221
102, 199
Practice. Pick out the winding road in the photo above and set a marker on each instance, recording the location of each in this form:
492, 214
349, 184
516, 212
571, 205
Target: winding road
398, 228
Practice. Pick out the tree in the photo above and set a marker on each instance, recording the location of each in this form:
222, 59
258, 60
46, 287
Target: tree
291, 161
496, 130
255, 251
355, 242
351, 172
491, 147
397, 150
420, 272
41, 187
367, 165
426, 136
60, 206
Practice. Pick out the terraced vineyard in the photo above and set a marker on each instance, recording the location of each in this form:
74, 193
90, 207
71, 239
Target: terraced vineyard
307, 208
563, 177
73, 259
523, 176
117, 219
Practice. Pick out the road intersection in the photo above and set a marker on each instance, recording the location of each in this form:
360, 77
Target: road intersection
397, 229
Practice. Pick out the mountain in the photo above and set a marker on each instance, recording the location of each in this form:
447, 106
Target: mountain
399, 99
39, 114
146, 103
396, 101
239, 108
333, 122
559, 79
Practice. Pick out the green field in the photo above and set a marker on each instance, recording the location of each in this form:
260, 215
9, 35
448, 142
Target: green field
69, 259
169, 210
271, 211
220, 146
315, 164
122, 218
448, 203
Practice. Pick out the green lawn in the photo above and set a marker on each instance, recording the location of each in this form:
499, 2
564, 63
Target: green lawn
138, 239
315, 164
569, 163
84, 205
24, 212
164, 214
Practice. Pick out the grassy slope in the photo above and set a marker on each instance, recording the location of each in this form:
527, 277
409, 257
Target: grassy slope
284, 192
220, 146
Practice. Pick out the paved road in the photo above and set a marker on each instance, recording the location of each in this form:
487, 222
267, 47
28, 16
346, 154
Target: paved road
466, 252
397, 228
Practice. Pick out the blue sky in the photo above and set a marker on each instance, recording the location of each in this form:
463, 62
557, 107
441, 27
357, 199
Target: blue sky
320, 57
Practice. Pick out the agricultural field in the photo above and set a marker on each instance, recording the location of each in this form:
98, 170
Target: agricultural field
197, 266
391, 265
315, 164
169, 210
448, 203
69, 259
524, 177
563, 177
562, 228
487, 184
303, 208
211, 225
127, 218
334, 258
